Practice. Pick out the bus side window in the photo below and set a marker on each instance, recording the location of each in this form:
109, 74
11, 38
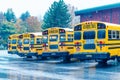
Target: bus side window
62, 37
118, 35
109, 34
114, 36
39, 41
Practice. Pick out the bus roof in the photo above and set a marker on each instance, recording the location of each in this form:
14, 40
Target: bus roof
35, 33
14, 35
66, 29
106, 23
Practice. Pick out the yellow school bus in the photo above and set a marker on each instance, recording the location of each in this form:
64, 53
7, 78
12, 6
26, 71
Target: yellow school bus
57, 42
12, 44
30, 44
99, 41
37, 45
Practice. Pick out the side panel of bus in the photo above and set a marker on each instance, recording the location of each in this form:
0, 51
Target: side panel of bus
113, 41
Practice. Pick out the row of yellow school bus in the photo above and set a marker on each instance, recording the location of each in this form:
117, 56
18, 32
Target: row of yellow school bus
88, 40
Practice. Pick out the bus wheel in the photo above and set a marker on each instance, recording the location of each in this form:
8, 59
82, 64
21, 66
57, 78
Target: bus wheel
39, 57
104, 61
118, 58
44, 58
29, 56
66, 59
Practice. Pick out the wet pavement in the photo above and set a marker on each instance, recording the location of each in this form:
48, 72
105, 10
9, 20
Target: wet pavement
12, 67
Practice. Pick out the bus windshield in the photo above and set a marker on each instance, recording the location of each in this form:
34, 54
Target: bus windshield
62, 37
39, 41
45, 39
89, 35
70, 37
101, 34
77, 35
32, 41
14, 41
53, 37
26, 41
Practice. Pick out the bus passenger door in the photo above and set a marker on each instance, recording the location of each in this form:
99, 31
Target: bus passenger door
77, 41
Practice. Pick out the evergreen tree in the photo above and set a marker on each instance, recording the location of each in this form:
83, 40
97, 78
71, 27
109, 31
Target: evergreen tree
10, 16
57, 16
24, 16
6, 29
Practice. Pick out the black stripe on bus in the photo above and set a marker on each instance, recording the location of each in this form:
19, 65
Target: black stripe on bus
113, 39
66, 41
70, 45
37, 47
108, 44
114, 47
66, 45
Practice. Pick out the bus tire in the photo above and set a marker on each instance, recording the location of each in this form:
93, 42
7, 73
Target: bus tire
66, 59
118, 58
39, 57
104, 61
29, 56
44, 58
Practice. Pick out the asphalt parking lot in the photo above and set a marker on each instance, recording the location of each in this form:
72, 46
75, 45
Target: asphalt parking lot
13, 67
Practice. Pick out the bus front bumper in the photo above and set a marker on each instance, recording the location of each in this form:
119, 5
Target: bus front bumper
12, 52
27, 54
55, 54
31, 54
9, 52
94, 56
21, 54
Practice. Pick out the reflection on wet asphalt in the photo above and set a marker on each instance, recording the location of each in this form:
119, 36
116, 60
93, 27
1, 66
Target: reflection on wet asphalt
12, 67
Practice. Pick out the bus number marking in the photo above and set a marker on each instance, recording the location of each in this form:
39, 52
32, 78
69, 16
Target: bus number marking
89, 26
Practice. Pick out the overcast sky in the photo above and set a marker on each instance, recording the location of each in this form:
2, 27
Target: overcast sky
39, 7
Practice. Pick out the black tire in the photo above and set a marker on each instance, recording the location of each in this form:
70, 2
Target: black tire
39, 57
44, 58
29, 56
66, 59
104, 61
118, 58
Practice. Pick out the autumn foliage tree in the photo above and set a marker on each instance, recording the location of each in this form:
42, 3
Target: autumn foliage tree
20, 26
33, 24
